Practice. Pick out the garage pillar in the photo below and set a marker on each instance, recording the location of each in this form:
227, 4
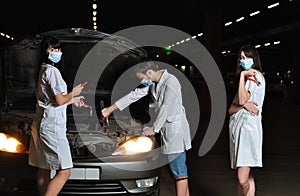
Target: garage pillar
213, 30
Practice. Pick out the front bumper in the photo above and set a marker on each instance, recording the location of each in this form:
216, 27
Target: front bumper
114, 175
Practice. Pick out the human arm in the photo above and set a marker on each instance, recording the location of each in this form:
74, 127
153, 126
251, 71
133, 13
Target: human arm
107, 111
243, 94
148, 131
57, 85
234, 108
131, 97
77, 101
62, 99
250, 106
125, 101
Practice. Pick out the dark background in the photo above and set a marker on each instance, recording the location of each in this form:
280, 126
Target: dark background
281, 23
281, 64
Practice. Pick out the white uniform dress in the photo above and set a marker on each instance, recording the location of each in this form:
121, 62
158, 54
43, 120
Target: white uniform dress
49, 147
245, 129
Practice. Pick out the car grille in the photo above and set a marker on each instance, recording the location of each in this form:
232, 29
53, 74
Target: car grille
78, 187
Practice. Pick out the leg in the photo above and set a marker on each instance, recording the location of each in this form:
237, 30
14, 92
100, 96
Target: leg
43, 178
179, 169
243, 181
182, 186
252, 184
57, 183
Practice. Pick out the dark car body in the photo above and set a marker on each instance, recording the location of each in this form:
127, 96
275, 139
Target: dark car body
96, 170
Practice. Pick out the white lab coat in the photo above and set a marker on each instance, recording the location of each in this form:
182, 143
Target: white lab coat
171, 119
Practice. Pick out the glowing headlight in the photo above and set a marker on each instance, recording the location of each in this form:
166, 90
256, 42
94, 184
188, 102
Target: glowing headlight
134, 146
11, 144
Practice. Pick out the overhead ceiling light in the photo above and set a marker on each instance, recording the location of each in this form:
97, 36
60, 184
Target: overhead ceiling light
277, 42
240, 19
182, 68
273, 5
228, 23
254, 13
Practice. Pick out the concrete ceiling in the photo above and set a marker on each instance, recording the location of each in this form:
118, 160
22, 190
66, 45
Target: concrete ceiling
20, 18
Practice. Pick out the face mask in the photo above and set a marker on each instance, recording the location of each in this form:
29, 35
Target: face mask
146, 82
246, 64
54, 56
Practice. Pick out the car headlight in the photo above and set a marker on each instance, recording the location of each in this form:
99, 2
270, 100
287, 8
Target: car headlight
11, 144
134, 145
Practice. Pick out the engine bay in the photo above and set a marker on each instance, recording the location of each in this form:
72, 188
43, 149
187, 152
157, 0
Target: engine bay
87, 139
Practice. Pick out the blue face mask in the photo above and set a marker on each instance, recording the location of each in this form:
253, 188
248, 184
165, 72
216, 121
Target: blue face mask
246, 64
54, 56
146, 82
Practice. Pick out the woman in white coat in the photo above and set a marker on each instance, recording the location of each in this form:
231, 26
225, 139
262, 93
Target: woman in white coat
245, 126
49, 148
170, 121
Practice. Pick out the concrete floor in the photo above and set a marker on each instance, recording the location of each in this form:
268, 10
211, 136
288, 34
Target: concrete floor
211, 174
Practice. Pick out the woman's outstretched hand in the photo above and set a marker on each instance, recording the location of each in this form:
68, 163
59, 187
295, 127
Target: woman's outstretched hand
77, 90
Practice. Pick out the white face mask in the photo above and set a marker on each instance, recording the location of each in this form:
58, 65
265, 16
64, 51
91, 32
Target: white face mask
55, 57
246, 64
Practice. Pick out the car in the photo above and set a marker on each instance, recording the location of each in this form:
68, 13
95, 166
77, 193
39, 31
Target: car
104, 163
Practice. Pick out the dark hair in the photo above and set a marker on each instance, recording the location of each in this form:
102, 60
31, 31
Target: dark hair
54, 43
46, 42
145, 66
250, 52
